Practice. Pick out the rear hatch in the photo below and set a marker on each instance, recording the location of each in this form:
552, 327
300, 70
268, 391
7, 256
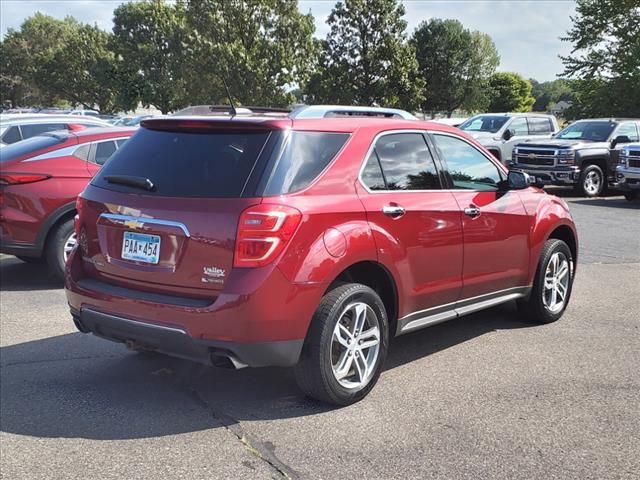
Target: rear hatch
162, 213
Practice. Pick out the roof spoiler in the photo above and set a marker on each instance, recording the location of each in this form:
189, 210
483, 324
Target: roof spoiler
300, 112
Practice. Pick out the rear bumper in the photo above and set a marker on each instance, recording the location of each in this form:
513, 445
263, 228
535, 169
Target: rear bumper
259, 318
177, 342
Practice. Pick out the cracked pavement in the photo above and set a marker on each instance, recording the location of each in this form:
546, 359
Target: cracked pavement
485, 396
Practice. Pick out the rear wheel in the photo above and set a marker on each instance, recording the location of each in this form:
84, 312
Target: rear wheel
346, 346
592, 181
552, 284
59, 246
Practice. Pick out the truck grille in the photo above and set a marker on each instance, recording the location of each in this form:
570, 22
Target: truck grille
535, 156
634, 163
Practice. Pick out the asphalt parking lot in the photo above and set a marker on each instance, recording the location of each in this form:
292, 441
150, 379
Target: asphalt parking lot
485, 396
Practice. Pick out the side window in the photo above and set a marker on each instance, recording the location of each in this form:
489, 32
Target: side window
519, 126
103, 151
628, 130
401, 161
82, 152
121, 142
12, 135
29, 131
468, 168
540, 126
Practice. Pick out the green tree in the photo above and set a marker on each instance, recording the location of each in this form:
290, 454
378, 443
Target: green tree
260, 47
548, 93
605, 60
84, 71
509, 92
149, 44
25, 52
366, 58
456, 65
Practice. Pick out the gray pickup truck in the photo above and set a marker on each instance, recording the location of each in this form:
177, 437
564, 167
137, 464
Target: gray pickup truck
584, 154
628, 171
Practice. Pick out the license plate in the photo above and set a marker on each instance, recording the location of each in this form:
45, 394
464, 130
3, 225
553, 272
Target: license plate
141, 247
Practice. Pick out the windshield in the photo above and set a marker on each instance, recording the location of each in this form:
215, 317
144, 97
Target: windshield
590, 131
484, 123
30, 145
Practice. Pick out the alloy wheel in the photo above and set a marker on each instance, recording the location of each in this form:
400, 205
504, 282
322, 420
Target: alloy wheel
556, 282
355, 346
592, 183
68, 245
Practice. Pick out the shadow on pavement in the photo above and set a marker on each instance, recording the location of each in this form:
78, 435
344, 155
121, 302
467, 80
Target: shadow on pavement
16, 275
78, 386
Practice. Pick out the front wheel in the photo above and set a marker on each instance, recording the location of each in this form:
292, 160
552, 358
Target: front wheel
592, 181
346, 346
552, 284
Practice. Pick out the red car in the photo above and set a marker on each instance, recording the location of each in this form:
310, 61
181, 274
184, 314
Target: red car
308, 242
40, 179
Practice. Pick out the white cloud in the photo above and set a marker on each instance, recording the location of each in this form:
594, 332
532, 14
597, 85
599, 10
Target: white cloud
526, 32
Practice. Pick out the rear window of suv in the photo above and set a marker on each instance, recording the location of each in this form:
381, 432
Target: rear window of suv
186, 164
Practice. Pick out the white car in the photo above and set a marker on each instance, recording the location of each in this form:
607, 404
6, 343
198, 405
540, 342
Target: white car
499, 132
14, 128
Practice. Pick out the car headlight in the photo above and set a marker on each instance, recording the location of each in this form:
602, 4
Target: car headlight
622, 158
566, 157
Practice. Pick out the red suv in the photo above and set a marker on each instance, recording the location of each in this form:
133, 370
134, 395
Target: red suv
308, 242
40, 179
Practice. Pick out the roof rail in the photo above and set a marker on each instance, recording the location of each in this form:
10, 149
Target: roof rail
328, 111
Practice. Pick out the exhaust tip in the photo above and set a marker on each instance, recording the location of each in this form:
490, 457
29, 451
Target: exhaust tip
79, 325
226, 360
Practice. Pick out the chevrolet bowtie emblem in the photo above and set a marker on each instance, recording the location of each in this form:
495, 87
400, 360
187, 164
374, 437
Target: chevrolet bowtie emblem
133, 224
532, 155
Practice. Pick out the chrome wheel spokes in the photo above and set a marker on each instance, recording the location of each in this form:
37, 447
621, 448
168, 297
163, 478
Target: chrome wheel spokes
556, 282
68, 246
592, 183
355, 345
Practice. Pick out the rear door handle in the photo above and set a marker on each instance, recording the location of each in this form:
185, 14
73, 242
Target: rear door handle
472, 211
393, 211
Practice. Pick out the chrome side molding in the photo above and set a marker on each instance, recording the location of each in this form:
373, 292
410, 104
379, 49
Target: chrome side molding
435, 315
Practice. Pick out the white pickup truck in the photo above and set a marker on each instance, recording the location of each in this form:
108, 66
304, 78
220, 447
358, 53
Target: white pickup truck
499, 132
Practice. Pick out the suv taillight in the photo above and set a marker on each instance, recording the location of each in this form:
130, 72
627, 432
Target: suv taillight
20, 178
263, 233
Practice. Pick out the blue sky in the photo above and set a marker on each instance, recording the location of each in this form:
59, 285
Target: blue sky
526, 32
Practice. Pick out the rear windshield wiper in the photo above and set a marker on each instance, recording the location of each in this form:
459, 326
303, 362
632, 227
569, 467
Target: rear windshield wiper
131, 181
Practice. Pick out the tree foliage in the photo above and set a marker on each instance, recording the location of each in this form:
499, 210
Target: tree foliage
260, 47
509, 92
605, 59
456, 65
549, 93
366, 58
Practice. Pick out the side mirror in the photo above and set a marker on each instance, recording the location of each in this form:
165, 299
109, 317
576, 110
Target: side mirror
508, 133
518, 180
620, 139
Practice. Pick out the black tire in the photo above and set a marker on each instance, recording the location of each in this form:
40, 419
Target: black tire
35, 260
631, 196
314, 373
589, 172
534, 309
54, 250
